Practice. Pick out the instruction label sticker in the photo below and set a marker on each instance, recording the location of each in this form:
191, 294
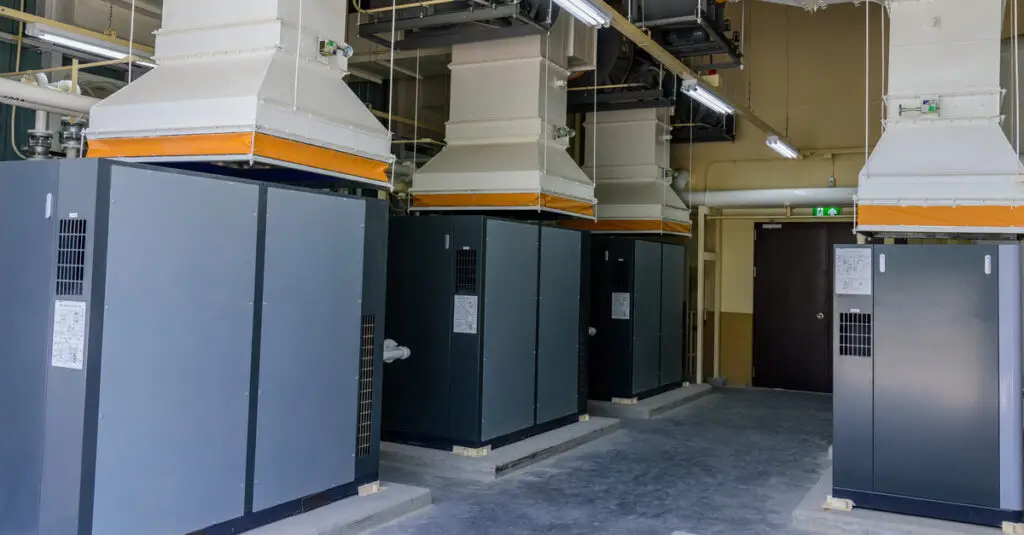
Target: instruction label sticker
853, 271
465, 314
620, 306
68, 335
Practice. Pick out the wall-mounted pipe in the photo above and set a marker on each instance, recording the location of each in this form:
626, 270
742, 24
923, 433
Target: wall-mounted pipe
44, 99
771, 198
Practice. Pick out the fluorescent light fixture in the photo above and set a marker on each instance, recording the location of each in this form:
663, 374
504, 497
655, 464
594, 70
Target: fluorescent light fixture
782, 148
84, 43
697, 92
586, 12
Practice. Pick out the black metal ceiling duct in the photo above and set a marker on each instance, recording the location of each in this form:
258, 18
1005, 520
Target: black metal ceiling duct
455, 22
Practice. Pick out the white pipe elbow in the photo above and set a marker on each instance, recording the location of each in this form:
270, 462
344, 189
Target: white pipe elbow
393, 351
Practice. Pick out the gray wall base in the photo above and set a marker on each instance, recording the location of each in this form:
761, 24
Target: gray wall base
809, 516
651, 407
501, 461
353, 515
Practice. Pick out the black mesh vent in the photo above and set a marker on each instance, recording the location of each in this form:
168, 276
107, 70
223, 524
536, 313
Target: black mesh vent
365, 435
71, 257
465, 272
854, 335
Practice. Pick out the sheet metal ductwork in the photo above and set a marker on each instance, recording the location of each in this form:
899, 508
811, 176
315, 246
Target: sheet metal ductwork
448, 23
943, 163
506, 136
629, 162
252, 82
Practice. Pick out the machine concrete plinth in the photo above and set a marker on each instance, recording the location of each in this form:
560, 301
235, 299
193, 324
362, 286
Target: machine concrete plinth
811, 516
353, 515
500, 461
651, 407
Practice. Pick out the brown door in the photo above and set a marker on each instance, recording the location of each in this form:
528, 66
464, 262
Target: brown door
793, 303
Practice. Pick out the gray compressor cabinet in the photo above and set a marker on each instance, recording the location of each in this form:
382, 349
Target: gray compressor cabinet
927, 402
638, 306
491, 310
181, 351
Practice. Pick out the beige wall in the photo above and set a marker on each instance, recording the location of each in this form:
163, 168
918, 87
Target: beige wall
737, 259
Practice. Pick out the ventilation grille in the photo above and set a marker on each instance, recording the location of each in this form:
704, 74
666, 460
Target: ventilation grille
854, 335
365, 431
71, 257
465, 272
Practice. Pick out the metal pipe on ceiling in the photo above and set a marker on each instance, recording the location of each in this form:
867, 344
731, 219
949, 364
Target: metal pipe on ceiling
643, 40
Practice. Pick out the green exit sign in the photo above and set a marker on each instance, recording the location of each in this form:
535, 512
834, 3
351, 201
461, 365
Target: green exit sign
828, 211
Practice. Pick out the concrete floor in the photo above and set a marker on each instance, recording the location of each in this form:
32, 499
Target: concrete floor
737, 461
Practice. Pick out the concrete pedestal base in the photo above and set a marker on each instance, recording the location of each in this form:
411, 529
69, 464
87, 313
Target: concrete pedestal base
651, 407
353, 515
811, 517
500, 461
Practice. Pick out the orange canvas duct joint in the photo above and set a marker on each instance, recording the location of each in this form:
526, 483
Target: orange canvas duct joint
630, 225
241, 144
503, 200
940, 216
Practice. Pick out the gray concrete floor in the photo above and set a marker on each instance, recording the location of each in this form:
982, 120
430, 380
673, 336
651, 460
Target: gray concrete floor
734, 462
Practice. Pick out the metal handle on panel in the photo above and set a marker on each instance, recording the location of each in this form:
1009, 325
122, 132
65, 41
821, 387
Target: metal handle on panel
821, 316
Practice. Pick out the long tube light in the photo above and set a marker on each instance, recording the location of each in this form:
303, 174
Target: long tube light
697, 92
586, 12
783, 148
84, 44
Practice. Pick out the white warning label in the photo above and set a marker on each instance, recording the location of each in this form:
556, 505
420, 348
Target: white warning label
620, 306
68, 335
853, 271
465, 314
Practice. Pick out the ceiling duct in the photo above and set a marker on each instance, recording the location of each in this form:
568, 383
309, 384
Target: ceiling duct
943, 164
436, 23
254, 82
506, 137
630, 167
627, 77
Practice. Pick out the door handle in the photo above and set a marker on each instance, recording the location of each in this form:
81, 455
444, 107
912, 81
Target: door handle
821, 316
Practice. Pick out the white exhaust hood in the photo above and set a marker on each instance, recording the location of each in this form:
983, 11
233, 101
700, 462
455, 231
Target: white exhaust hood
506, 136
246, 81
630, 167
943, 164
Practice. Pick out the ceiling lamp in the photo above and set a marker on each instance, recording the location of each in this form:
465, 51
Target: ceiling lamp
783, 148
710, 100
586, 12
82, 43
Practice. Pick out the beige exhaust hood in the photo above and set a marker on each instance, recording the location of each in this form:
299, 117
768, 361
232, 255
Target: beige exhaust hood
254, 82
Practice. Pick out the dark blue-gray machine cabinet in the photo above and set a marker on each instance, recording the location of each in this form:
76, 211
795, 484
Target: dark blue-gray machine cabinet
638, 306
490, 309
927, 402
182, 352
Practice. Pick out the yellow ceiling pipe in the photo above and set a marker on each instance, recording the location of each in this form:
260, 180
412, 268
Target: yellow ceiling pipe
27, 18
643, 40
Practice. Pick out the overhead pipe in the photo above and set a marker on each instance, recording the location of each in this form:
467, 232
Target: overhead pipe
771, 198
643, 40
44, 99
